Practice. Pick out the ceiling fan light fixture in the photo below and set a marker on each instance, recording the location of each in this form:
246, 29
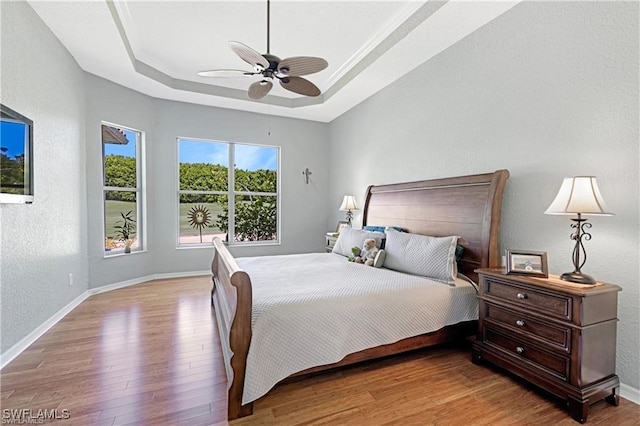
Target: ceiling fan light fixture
287, 71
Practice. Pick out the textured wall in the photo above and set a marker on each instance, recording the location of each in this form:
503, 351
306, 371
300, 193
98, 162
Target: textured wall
303, 209
113, 103
546, 90
45, 241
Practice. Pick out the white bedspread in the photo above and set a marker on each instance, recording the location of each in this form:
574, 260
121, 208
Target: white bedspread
314, 309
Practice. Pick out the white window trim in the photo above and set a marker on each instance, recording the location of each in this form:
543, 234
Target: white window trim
230, 194
141, 199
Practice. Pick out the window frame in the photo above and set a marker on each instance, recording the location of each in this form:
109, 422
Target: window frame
231, 193
139, 190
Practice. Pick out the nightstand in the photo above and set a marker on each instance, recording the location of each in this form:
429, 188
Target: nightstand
557, 335
330, 241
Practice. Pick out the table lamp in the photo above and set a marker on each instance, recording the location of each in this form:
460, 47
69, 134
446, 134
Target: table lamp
349, 204
579, 195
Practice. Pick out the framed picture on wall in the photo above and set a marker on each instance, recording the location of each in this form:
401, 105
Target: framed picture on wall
520, 262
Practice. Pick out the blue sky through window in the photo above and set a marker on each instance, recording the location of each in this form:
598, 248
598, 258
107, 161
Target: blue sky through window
252, 157
203, 152
128, 150
248, 157
12, 138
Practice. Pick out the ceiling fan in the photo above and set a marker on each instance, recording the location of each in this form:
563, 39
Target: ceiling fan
287, 71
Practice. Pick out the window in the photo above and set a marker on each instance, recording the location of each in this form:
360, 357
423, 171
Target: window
122, 192
207, 185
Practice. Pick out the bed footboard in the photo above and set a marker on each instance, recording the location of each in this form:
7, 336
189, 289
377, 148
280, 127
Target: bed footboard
231, 298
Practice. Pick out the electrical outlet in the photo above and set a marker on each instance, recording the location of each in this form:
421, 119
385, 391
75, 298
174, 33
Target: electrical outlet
70, 280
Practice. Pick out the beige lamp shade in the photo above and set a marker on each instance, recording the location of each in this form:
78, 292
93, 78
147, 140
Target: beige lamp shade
579, 194
348, 203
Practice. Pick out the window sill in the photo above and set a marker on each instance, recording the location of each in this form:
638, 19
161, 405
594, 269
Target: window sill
252, 244
120, 253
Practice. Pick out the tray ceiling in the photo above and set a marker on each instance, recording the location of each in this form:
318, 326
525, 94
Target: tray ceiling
157, 47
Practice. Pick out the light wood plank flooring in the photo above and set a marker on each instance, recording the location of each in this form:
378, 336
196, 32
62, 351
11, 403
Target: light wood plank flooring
150, 355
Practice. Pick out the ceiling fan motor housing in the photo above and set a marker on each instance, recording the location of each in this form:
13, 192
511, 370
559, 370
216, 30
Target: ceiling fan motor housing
273, 70
268, 66
273, 61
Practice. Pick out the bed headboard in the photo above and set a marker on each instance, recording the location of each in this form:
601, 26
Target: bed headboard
466, 206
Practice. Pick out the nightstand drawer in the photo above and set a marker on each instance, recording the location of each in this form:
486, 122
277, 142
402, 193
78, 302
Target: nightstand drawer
559, 337
555, 305
551, 363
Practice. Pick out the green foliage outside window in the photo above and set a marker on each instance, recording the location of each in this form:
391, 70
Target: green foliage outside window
255, 218
202, 177
256, 181
255, 215
12, 170
120, 171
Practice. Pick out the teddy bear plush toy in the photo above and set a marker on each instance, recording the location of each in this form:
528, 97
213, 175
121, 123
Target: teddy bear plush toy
368, 252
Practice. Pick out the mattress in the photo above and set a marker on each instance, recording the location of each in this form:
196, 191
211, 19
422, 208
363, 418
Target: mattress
314, 309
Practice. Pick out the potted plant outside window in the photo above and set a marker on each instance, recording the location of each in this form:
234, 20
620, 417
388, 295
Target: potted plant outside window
124, 229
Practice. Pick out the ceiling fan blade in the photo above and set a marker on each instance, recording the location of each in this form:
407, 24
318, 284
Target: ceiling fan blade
248, 55
225, 73
300, 85
301, 65
259, 89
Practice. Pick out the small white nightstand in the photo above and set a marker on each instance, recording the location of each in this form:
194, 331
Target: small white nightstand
330, 241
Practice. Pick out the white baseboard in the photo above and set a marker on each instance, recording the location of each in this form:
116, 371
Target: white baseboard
180, 275
145, 279
629, 393
23, 344
11, 353
121, 284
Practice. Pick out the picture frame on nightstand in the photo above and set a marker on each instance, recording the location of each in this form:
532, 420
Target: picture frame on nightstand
341, 225
531, 263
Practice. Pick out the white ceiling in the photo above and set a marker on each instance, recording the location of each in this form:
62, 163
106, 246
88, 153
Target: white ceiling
157, 47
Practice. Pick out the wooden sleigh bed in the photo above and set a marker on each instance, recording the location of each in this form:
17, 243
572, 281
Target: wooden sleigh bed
466, 206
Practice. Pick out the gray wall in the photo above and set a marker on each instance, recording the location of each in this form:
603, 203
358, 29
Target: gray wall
547, 90
303, 144
303, 207
45, 241
112, 103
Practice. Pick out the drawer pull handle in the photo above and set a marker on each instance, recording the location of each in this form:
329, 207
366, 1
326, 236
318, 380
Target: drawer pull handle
520, 323
522, 295
520, 349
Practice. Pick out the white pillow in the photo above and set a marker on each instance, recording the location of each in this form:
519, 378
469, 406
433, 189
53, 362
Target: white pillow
432, 257
350, 238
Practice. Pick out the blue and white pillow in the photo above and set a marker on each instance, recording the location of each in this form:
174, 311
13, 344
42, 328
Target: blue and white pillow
382, 229
431, 257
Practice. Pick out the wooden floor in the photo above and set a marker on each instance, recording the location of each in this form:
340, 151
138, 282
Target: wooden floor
150, 355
